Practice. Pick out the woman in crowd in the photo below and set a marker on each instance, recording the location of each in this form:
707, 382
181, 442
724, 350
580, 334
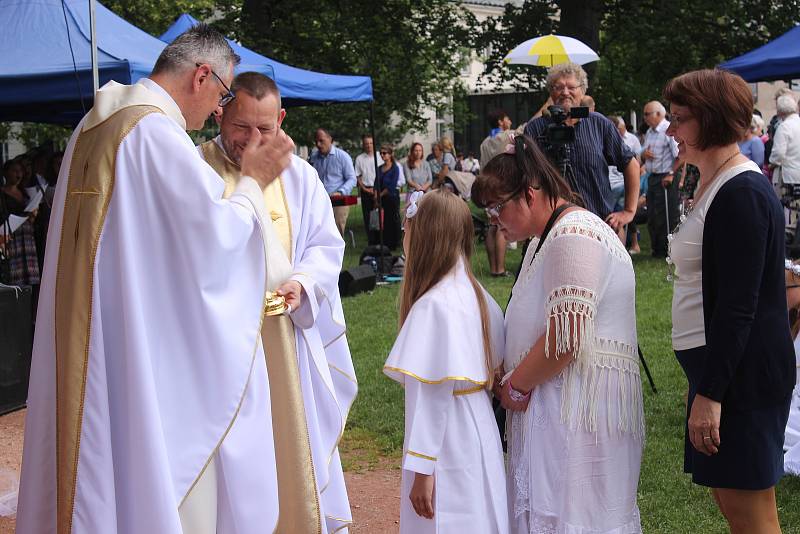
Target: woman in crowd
417, 171
449, 345
729, 326
447, 163
752, 146
23, 265
389, 193
574, 454
51, 175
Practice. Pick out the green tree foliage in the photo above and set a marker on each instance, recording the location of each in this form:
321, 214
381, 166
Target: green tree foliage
642, 43
155, 16
499, 35
407, 47
33, 135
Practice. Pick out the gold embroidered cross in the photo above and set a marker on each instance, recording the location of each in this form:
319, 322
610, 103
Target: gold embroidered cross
81, 194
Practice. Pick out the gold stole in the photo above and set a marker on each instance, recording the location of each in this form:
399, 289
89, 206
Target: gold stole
297, 492
89, 190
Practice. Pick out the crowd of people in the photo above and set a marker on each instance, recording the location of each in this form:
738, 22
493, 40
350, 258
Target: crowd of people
191, 371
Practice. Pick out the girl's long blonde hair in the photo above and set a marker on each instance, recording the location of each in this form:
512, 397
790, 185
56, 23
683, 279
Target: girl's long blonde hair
441, 233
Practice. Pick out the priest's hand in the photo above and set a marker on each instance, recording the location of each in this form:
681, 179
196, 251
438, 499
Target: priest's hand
266, 156
292, 291
421, 495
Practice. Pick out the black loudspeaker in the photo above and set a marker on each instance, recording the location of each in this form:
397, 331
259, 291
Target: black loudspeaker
355, 280
15, 346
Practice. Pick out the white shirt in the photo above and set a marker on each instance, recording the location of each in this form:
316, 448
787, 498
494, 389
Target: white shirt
632, 142
663, 147
686, 250
365, 168
786, 150
615, 177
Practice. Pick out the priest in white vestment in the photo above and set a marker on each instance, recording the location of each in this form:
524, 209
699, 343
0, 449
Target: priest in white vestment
320, 373
148, 409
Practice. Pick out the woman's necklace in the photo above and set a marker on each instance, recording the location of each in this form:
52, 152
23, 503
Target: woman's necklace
671, 276
705, 184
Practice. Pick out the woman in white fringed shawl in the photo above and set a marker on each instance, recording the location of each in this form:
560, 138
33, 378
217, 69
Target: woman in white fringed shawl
575, 427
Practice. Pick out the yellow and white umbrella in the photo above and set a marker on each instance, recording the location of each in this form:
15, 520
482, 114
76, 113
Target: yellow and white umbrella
551, 50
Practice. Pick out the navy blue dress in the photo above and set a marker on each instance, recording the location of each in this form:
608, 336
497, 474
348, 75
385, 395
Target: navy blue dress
748, 361
387, 180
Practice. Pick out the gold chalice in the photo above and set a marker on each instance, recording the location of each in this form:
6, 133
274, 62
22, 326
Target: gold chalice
276, 304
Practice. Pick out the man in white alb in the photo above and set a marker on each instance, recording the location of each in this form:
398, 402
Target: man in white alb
308, 361
149, 405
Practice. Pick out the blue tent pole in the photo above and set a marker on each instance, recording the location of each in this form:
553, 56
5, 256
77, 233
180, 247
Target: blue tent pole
92, 22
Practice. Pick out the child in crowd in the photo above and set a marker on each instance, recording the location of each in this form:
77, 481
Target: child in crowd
449, 346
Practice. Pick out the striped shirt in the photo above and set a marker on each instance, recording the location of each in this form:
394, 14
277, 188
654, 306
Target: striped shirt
597, 145
663, 147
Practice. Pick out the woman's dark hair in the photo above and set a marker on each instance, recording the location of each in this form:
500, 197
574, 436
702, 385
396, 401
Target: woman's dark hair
721, 101
389, 149
508, 174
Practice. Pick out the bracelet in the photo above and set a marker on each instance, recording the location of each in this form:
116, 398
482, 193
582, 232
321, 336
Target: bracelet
516, 395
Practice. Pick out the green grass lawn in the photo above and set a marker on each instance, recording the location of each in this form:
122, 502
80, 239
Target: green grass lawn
668, 501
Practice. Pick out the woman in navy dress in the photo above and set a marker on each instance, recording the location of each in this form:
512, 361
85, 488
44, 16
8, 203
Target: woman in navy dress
388, 176
730, 328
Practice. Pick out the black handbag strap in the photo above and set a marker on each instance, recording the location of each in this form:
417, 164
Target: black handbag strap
549, 226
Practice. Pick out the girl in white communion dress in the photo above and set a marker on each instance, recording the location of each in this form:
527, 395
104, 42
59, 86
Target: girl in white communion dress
445, 356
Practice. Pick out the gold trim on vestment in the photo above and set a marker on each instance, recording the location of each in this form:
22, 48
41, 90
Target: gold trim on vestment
92, 170
440, 381
298, 500
297, 485
334, 340
468, 391
420, 455
347, 376
228, 429
332, 392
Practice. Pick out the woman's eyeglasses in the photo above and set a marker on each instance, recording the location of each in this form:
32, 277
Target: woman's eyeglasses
494, 211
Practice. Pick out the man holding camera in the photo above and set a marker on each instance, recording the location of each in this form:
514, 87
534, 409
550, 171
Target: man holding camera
583, 144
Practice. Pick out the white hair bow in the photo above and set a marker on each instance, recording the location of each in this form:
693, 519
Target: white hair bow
411, 210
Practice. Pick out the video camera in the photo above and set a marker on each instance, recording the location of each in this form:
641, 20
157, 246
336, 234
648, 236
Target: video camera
559, 133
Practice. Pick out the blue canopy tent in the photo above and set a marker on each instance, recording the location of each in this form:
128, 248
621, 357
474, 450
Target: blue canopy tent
777, 60
38, 80
298, 86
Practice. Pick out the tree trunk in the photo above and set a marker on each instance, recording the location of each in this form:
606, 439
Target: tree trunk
580, 19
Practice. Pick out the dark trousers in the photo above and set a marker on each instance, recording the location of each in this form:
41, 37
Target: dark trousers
367, 205
657, 212
391, 221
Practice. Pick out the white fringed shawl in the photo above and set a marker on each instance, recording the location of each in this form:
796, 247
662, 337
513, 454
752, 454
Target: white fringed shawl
584, 278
